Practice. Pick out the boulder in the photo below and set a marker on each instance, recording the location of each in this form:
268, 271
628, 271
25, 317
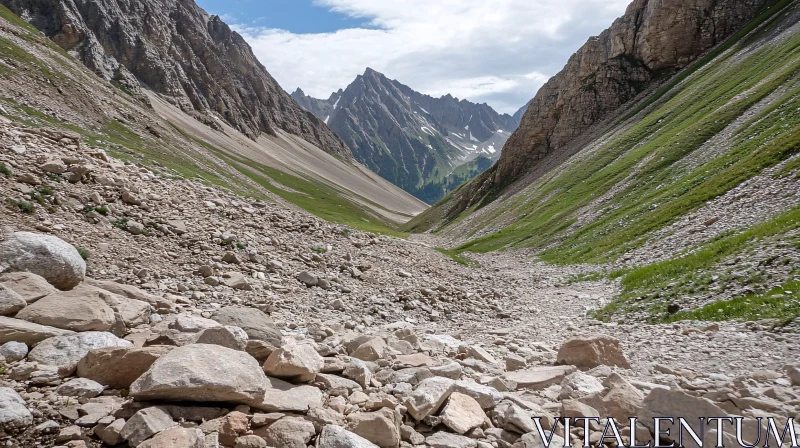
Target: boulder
428, 396
119, 367
13, 351
358, 371
81, 309
145, 424
189, 323
538, 378
486, 396
296, 363
253, 321
27, 332
443, 439
29, 286
462, 413
511, 417
10, 301
582, 384
289, 432
132, 292
333, 436
52, 258
592, 351
202, 372
281, 396
176, 437
80, 388
620, 399
380, 427
13, 413
229, 427
231, 337
371, 350
64, 352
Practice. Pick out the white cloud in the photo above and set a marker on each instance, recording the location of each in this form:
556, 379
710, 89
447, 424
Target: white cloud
498, 51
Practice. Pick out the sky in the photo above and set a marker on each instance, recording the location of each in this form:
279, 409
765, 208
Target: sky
498, 51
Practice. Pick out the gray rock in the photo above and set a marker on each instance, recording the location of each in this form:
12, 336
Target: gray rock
281, 396
254, 322
145, 424
81, 388
13, 413
228, 336
27, 332
81, 309
119, 367
202, 372
297, 363
337, 437
13, 351
428, 396
10, 301
289, 432
45, 255
30, 286
307, 279
176, 437
64, 352
443, 439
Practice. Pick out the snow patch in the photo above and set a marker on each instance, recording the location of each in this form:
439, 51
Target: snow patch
327, 118
424, 110
473, 138
491, 149
336, 104
428, 131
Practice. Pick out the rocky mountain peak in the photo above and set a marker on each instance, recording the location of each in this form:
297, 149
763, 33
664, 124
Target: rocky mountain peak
650, 40
177, 50
412, 139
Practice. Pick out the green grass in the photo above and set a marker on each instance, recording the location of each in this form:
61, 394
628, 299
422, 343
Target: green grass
83, 252
4, 170
23, 206
781, 303
459, 257
652, 286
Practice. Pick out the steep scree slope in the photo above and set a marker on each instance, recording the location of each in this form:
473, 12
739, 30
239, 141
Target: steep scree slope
179, 51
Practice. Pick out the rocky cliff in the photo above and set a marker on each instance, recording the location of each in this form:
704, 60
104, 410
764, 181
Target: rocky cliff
652, 39
411, 139
179, 51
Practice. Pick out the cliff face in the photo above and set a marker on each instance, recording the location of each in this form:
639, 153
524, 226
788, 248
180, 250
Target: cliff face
411, 139
652, 38
179, 51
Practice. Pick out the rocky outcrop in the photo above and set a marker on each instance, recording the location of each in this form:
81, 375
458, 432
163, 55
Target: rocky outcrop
411, 139
653, 38
179, 51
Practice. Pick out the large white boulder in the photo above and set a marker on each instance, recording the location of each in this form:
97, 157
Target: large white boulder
45, 255
202, 372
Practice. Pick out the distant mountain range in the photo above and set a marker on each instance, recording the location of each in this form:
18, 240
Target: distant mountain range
425, 145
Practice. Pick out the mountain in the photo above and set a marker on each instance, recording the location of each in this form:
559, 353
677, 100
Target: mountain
413, 140
685, 190
45, 87
519, 114
651, 41
190, 58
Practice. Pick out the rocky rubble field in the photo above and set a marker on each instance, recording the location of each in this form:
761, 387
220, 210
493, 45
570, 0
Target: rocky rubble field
141, 309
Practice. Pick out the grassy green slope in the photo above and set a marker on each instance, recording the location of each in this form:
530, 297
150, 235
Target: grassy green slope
658, 189
657, 168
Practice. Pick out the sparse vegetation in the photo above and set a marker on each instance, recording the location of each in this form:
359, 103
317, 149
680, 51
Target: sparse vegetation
458, 257
83, 252
121, 223
4, 170
23, 206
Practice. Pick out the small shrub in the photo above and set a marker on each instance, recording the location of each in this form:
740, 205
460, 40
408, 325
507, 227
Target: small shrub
41, 200
4, 170
241, 246
24, 207
121, 223
103, 210
88, 209
45, 190
84, 253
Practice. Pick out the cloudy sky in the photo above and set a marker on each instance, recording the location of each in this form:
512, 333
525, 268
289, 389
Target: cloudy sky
494, 51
